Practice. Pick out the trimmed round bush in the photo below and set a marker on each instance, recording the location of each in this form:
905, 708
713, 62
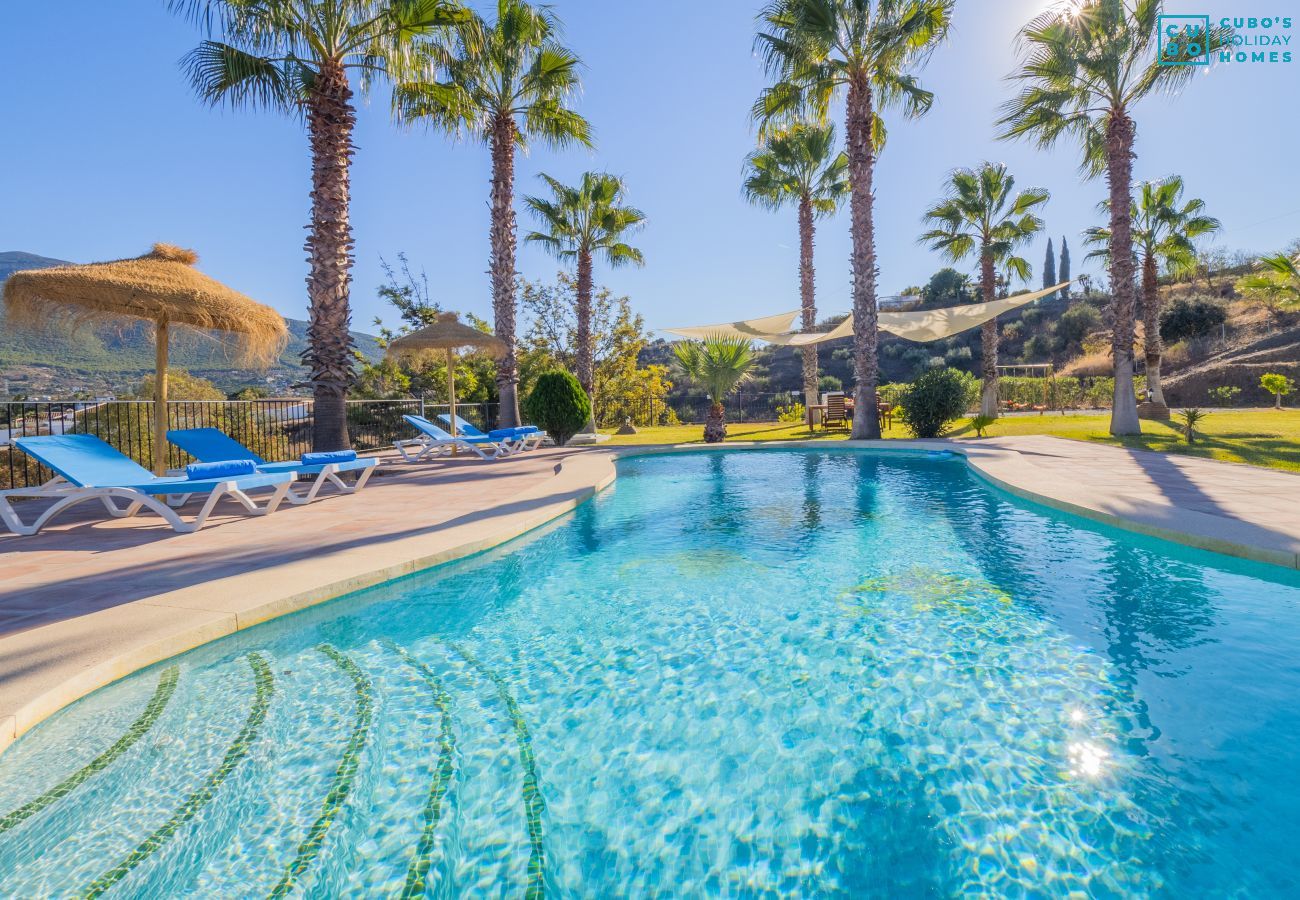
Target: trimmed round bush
558, 405
935, 400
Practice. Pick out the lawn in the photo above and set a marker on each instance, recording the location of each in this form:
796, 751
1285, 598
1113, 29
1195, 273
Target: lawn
1260, 437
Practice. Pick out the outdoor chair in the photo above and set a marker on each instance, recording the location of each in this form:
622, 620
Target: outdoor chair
212, 445
885, 413
87, 468
836, 412
433, 441
528, 437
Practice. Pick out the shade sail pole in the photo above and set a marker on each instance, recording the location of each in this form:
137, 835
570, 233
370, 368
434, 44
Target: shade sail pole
160, 400
451, 392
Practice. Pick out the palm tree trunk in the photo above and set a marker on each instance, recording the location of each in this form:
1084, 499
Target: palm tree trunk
1119, 178
808, 294
1152, 347
866, 425
715, 425
989, 341
330, 120
504, 242
586, 365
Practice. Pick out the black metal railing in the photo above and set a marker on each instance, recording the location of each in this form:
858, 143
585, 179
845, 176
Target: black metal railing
273, 429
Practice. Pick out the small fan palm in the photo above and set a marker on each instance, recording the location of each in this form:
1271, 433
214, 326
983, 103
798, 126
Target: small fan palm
983, 216
1277, 283
1087, 64
864, 51
799, 165
296, 56
503, 83
1164, 231
720, 365
582, 222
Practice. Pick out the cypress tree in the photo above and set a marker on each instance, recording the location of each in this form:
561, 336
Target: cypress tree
1064, 273
1049, 267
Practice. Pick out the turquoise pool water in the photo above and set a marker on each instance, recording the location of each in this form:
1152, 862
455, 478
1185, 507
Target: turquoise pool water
742, 674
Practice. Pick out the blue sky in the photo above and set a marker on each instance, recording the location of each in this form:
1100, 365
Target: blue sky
105, 150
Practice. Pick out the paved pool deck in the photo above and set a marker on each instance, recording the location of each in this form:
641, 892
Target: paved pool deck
89, 601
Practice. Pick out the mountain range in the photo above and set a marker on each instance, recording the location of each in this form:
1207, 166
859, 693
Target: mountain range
110, 359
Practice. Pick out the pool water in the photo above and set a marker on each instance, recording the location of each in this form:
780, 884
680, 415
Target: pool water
772, 673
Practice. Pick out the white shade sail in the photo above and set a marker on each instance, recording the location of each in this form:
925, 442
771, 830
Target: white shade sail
758, 329
921, 325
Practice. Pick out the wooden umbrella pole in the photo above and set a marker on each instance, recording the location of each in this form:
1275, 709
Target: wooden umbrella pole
160, 400
451, 392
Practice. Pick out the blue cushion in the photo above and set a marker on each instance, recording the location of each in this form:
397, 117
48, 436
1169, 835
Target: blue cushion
329, 456
230, 468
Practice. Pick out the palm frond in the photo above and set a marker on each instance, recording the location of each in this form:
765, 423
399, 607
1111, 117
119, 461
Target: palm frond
221, 73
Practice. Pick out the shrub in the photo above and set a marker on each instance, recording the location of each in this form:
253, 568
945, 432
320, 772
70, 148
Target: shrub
795, 412
981, 424
1191, 418
1185, 319
1225, 395
558, 405
957, 355
829, 383
1076, 323
935, 400
1037, 349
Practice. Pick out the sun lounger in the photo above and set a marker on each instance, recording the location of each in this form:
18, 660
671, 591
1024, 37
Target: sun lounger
434, 441
527, 437
87, 468
214, 445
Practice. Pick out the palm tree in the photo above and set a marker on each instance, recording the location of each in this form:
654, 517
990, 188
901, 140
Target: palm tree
503, 83
296, 56
799, 165
720, 364
982, 216
1087, 64
863, 50
1163, 232
580, 223
1276, 283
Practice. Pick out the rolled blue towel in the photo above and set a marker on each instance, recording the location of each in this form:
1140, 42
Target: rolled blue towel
508, 434
330, 456
227, 468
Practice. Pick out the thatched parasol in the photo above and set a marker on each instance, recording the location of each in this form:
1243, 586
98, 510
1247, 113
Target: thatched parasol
447, 334
162, 287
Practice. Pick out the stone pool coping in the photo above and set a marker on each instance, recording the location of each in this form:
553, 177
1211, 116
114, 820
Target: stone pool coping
109, 644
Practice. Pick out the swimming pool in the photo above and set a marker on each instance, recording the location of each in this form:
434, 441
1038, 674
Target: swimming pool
741, 673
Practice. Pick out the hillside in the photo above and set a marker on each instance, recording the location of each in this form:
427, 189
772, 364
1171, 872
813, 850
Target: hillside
100, 360
1073, 336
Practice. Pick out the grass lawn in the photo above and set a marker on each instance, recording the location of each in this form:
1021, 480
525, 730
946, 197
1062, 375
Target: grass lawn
1260, 437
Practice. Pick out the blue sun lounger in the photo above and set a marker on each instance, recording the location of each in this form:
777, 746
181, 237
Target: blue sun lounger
523, 437
434, 441
211, 445
87, 468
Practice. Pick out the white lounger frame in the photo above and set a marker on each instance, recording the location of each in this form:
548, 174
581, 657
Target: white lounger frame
328, 474
431, 447
67, 495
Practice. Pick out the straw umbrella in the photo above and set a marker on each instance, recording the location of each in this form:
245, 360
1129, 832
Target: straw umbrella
449, 335
161, 287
